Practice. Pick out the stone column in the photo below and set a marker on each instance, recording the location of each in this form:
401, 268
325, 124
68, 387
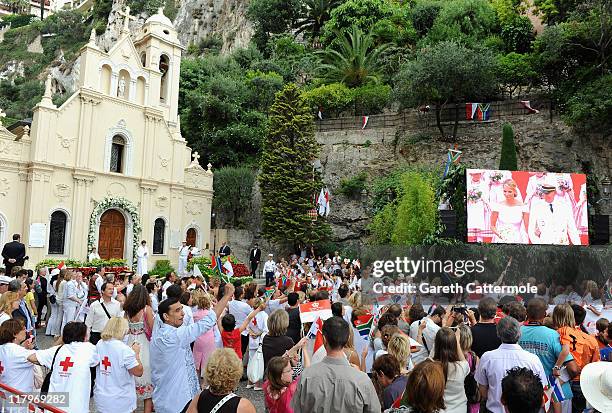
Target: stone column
175, 219
81, 213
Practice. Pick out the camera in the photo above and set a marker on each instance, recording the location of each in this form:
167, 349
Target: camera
461, 309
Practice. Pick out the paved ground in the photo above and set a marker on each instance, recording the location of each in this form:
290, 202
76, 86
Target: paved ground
256, 397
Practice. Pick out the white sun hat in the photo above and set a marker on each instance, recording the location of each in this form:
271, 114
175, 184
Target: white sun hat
596, 384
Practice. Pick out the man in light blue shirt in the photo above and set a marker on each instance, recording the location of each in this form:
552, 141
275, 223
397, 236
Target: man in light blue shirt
173, 371
545, 343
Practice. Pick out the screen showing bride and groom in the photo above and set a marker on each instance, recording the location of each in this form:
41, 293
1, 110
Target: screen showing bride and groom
520, 207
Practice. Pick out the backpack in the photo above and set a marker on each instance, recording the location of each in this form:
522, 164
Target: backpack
470, 385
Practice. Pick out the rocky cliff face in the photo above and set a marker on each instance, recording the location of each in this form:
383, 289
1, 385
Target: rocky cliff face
225, 19
541, 145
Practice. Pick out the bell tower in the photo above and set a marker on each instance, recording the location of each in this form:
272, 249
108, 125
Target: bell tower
160, 51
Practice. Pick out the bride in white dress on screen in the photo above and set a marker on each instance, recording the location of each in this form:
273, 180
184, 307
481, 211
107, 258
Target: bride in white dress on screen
510, 217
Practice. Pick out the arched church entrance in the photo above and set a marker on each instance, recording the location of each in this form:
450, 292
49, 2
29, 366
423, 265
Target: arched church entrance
191, 237
111, 243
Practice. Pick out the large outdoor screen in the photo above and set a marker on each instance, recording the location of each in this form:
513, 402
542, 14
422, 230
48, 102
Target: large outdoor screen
519, 207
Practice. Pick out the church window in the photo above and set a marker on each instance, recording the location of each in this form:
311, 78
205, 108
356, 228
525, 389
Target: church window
57, 232
143, 59
159, 230
117, 154
164, 65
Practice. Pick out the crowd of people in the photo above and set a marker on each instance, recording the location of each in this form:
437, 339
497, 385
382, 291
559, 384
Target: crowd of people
184, 343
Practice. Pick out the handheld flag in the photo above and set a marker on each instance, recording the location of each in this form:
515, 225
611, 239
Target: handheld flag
316, 332
453, 157
364, 324
229, 270
557, 394
309, 312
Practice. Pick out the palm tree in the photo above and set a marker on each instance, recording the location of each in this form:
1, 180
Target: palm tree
356, 62
317, 13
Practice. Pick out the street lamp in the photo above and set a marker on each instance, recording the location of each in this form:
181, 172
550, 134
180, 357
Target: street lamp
213, 228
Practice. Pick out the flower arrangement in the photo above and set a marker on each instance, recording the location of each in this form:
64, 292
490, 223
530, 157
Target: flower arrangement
125, 205
496, 176
474, 195
563, 184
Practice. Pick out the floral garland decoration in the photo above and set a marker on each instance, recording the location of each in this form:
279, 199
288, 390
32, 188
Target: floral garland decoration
125, 205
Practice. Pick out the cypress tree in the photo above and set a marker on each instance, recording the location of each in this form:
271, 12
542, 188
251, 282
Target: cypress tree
288, 180
508, 161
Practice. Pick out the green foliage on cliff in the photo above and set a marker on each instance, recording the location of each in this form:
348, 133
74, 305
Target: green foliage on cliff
234, 190
66, 32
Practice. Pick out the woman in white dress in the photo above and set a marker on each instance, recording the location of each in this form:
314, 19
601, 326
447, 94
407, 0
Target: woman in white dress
75, 296
581, 215
54, 324
81, 290
258, 328
140, 318
478, 210
510, 218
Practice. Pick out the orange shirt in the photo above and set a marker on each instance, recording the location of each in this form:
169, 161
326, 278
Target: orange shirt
583, 347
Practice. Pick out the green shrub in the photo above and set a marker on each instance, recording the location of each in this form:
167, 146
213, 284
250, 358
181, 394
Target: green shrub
424, 14
508, 161
16, 20
332, 99
114, 262
590, 108
353, 186
518, 34
371, 99
161, 268
416, 217
49, 262
203, 262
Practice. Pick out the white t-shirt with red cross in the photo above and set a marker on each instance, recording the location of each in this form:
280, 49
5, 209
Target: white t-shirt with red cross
115, 389
71, 372
15, 369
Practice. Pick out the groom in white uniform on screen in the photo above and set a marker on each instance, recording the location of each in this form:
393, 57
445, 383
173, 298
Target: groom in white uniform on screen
552, 221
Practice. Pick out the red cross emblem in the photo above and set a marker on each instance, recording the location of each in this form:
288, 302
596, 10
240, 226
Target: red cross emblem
66, 364
106, 363
1, 368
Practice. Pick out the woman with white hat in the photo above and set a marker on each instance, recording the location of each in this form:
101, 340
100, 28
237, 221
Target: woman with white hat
596, 385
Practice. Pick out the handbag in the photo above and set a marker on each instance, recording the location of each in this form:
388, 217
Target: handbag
44, 389
52, 299
255, 367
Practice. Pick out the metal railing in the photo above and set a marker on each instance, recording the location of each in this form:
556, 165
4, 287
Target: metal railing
9, 395
426, 117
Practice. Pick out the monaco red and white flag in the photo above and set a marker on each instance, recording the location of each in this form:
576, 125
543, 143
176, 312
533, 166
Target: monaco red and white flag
309, 312
316, 332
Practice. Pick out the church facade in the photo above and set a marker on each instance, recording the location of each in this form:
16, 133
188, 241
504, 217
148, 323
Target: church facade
109, 167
